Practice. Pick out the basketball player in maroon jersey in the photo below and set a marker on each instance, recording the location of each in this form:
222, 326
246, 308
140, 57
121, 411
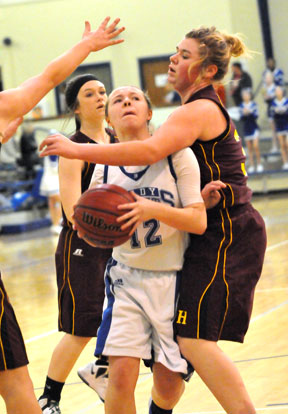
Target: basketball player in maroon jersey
15, 384
223, 266
79, 267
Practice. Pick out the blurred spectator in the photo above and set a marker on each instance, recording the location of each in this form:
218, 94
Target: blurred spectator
240, 80
9, 154
49, 188
279, 109
249, 115
277, 73
269, 88
171, 97
29, 156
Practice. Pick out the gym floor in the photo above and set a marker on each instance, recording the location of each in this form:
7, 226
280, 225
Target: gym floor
27, 265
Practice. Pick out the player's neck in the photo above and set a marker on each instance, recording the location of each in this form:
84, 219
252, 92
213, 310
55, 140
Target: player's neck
132, 134
192, 89
95, 131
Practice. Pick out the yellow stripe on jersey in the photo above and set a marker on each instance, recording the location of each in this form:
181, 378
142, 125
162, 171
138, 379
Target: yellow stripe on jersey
243, 168
69, 233
213, 158
236, 135
70, 287
232, 194
211, 171
210, 283
224, 270
1, 342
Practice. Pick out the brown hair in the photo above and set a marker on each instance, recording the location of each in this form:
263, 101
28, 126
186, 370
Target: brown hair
216, 48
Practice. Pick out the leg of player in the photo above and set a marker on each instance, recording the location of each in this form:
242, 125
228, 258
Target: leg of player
123, 375
17, 390
168, 386
219, 374
95, 375
63, 360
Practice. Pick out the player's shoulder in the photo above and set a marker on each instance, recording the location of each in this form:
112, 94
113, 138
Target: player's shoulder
185, 155
197, 110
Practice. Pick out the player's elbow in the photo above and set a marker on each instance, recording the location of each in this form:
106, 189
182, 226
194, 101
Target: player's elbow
202, 225
150, 153
199, 221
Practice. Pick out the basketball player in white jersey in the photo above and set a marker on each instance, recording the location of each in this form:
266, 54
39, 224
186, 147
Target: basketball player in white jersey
142, 274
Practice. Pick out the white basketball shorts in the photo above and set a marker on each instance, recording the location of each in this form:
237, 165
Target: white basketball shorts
138, 315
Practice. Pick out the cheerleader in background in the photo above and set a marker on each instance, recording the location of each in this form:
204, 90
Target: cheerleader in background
269, 87
279, 110
249, 115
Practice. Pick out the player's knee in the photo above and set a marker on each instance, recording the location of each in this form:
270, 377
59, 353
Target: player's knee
170, 392
168, 385
122, 378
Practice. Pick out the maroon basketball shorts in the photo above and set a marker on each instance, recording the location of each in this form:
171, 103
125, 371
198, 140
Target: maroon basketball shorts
80, 279
12, 347
221, 270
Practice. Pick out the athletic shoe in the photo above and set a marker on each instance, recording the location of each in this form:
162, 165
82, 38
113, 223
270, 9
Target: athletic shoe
95, 375
285, 166
251, 169
49, 406
260, 168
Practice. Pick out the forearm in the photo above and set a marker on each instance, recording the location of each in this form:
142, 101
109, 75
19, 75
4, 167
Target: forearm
191, 219
132, 153
60, 68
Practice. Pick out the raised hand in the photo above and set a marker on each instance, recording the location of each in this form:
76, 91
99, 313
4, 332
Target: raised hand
58, 144
10, 130
104, 36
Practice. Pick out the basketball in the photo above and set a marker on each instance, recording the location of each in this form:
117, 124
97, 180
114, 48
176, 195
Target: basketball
96, 212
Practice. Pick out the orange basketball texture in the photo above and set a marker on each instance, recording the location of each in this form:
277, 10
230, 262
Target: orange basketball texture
96, 212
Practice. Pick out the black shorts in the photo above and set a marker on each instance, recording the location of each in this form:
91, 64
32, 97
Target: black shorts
220, 272
12, 348
80, 279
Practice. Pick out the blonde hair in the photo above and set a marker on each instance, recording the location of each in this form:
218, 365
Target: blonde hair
216, 48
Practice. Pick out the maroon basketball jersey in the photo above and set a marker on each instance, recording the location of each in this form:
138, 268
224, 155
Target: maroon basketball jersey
88, 169
222, 158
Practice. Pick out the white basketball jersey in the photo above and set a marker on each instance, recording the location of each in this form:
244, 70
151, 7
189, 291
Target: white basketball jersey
155, 245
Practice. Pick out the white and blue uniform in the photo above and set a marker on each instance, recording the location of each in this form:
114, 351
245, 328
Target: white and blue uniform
270, 95
141, 276
249, 115
278, 76
280, 114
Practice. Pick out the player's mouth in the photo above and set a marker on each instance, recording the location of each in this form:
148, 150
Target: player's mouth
128, 113
171, 70
100, 106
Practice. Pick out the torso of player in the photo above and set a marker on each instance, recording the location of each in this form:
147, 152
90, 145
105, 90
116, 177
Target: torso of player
222, 158
154, 246
88, 168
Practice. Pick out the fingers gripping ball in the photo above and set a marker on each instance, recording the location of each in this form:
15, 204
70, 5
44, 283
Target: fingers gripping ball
96, 212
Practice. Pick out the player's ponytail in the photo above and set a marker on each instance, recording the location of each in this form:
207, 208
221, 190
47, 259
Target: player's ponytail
237, 46
216, 48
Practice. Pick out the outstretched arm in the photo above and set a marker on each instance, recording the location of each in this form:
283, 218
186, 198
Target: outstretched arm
201, 119
177, 132
17, 102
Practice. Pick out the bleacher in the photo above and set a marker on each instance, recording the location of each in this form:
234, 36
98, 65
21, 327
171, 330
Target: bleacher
22, 208
273, 179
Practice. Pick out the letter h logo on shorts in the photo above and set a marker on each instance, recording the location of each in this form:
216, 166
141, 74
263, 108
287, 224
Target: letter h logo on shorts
182, 316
